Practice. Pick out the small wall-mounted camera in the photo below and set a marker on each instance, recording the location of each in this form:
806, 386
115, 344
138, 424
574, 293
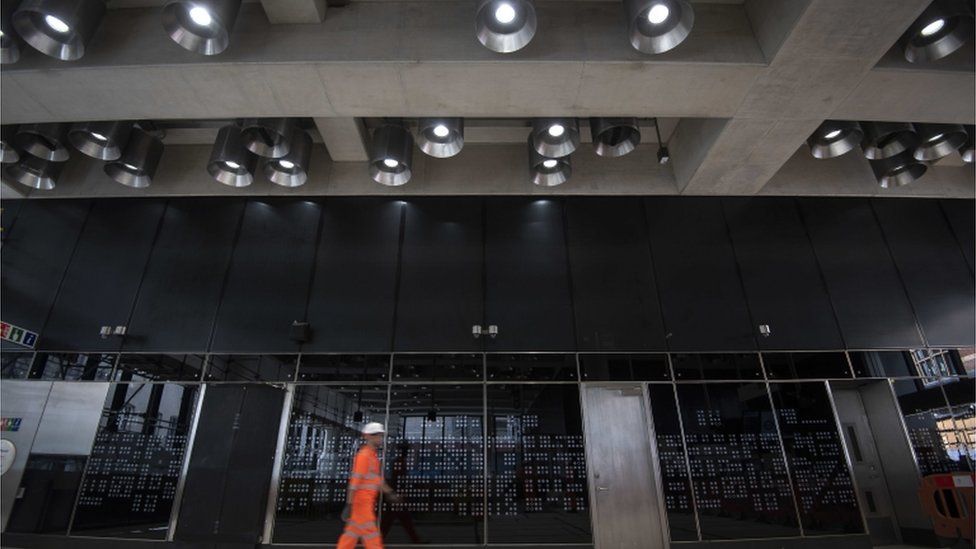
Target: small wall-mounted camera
764, 330
107, 331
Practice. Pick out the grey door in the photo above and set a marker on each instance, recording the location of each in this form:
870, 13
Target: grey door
624, 483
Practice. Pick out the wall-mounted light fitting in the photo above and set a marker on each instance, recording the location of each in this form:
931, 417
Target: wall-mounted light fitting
8, 153
440, 137
100, 140
58, 28
614, 137
897, 170
555, 137
936, 141
137, 164
201, 26
834, 138
391, 155
886, 139
505, 26
230, 162
45, 141
944, 27
35, 172
268, 137
548, 172
291, 170
656, 26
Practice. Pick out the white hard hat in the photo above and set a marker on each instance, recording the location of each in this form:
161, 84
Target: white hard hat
373, 428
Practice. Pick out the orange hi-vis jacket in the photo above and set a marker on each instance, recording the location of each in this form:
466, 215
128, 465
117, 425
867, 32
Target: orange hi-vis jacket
365, 482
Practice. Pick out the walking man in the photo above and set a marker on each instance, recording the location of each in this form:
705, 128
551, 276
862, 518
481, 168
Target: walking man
365, 483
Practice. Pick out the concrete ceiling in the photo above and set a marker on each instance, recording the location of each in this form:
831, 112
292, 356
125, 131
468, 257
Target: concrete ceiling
736, 100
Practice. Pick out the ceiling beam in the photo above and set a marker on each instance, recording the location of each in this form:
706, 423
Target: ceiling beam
346, 139
294, 11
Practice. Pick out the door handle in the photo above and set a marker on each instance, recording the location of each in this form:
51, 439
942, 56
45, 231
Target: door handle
603, 488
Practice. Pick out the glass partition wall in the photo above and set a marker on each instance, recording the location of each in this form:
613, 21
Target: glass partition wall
489, 448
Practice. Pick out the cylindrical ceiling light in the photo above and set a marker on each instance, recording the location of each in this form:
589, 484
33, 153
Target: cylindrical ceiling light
391, 155
9, 42
268, 137
230, 162
941, 29
291, 170
897, 170
614, 136
139, 160
548, 172
505, 25
966, 149
201, 26
885, 139
45, 141
834, 138
100, 140
555, 137
35, 172
8, 153
58, 28
656, 26
440, 137
938, 140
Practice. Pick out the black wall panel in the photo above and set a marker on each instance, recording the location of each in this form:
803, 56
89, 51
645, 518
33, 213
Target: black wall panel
440, 293
354, 289
933, 268
871, 305
267, 287
101, 283
36, 251
614, 291
189, 260
701, 295
780, 274
527, 291
962, 219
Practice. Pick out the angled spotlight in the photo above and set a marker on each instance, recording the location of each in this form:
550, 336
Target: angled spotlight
230, 162
897, 170
291, 170
268, 137
555, 137
941, 29
201, 26
966, 149
58, 28
505, 25
885, 139
548, 172
100, 140
656, 26
45, 141
938, 140
9, 41
138, 162
614, 136
391, 155
8, 153
440, 137
834, 138
35, 172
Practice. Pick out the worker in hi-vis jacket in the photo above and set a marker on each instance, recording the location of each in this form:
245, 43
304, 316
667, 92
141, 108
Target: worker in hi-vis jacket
365, 483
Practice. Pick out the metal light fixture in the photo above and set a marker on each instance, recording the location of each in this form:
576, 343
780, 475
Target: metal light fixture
505, 25
941, 29
58, 28
201, 26
35, 172
440, 137
834, 138
230, 162
614, 136
8, 153
100, 140
966, 149
138, 162
897, 170
663, 154
656, 26
938, 140
391, 155
555, 137
46, 141
291, 170
9, 41
886, 139
268, 137
548, 172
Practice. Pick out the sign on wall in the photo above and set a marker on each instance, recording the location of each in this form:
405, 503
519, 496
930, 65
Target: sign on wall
18, 335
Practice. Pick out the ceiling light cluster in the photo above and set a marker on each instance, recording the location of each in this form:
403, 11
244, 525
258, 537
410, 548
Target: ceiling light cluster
286, 147
944, 27
899, 152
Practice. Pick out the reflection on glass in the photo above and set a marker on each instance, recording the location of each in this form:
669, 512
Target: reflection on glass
136, 368
806, 365
73, 367
135, 465
737, 366
458, 367
934, 363
364, 368
819, 470
251, 367
15, 365
435, 445
323, 436
740, 481
46, 494
961, 394
536, 467
674, 467
882, 364
931, 427
624, 367
523, 367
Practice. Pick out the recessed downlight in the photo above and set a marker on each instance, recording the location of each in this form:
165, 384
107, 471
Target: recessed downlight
441, 130
834, 138
391, 155
291, 170
944, 27
58, 28
933, 27
656, 26
201, 26
550, 163
505, 26
832, 134
440, 137
56, 24
390, 163
201, 16
505, 13
658, 14
547, 172
555, 137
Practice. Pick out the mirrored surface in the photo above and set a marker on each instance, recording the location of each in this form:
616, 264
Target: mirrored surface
931, 426
624, 367
360, 368
136, 368
46, 495
73, 366
676, 483
449, 367
251, 367
717, 366
15, 365
806, 365
531, 367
